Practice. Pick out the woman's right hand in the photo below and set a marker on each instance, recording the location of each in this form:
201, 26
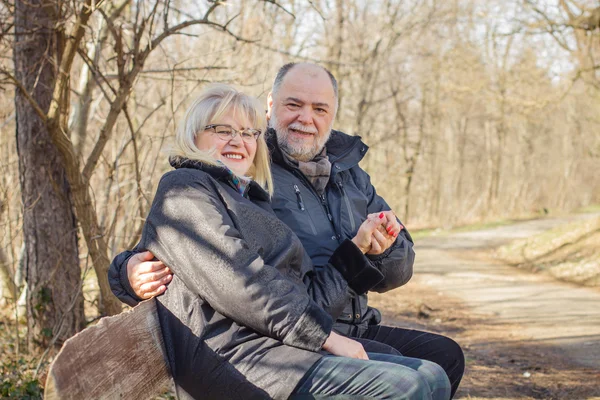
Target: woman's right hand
364, 236
147, 278
342, 346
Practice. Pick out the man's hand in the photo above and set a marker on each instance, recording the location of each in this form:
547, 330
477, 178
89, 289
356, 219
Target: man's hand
385, 235
339, 345
147, 278
363, 238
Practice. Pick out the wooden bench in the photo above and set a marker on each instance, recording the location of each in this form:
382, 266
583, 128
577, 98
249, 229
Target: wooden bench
122, 356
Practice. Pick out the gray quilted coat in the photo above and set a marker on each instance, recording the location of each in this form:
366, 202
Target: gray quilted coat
246, 314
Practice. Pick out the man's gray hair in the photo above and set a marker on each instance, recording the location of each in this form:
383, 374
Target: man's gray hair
287, 67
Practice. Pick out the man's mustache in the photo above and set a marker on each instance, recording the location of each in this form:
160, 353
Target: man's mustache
299, 127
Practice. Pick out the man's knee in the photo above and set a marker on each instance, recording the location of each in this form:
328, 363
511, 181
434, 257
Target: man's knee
455, 353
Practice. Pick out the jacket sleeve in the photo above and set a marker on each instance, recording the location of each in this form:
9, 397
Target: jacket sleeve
118, 280
348, 273
396, 263
189, 230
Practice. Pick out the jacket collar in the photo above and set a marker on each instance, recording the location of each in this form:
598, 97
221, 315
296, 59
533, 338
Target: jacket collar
220, 173
343, 150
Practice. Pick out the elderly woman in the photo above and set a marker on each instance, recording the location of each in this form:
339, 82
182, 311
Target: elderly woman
245, 315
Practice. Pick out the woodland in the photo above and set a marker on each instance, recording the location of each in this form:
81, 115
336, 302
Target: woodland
474, 111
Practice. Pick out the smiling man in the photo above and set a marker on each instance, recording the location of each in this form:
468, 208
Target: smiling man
301, 110
323, 195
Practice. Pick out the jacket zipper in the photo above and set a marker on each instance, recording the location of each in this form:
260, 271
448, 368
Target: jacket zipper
326, 207
301, 207
301, 176
299, 197
347, 201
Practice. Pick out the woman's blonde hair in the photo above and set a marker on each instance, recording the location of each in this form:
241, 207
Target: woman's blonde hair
215, 101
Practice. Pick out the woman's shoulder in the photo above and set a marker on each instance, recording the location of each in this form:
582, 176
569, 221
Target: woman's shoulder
186, 177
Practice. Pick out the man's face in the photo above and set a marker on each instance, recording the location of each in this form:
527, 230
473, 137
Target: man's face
302, 111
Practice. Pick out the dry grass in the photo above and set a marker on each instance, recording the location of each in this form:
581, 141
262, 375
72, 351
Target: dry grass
569, 253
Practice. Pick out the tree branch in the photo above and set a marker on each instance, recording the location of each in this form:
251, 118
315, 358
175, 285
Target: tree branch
30, 99
285, 10
56, 108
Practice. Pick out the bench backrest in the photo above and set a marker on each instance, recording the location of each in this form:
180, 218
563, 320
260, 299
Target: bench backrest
121, 356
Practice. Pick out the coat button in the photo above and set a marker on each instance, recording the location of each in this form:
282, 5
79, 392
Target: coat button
337, 167
357, 315
333, 238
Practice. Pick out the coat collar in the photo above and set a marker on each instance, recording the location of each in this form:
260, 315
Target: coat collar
220, 173
342, 149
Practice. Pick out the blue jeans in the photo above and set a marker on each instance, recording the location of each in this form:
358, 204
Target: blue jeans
383, 376
423, 345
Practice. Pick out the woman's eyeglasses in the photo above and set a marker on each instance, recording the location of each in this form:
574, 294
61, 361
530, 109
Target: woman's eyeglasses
227, 132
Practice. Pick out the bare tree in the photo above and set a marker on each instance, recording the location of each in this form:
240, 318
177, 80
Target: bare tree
52, 38
54, 301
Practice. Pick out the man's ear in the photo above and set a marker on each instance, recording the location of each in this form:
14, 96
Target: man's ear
269, 105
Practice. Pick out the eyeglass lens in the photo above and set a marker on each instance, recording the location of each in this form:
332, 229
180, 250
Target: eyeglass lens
228, 133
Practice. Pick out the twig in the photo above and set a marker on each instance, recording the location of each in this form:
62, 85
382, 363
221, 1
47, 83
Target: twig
171, 70
282, 7
25, 93
314, 7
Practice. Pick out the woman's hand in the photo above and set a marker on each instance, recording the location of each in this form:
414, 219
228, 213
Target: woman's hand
147, 278
342, 346
386, 234
363, 238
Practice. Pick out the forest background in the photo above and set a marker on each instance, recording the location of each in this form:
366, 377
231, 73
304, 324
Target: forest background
473, 111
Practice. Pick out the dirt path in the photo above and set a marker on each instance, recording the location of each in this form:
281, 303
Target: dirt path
525, 335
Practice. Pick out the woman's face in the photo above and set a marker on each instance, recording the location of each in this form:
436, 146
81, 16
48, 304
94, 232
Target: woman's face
236, 154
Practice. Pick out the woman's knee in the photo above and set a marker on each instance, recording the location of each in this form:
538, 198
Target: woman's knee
401, 382
436, 378
434, 375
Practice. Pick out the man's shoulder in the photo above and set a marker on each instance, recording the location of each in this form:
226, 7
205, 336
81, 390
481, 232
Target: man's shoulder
339, 138
346, 150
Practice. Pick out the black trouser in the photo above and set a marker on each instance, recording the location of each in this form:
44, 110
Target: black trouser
418, 344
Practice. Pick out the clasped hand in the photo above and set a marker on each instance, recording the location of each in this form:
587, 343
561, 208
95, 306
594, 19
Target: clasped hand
377, 233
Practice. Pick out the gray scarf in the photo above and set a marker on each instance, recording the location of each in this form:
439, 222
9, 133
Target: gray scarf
316, 170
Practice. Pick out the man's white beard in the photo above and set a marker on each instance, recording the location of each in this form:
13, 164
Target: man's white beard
298, 150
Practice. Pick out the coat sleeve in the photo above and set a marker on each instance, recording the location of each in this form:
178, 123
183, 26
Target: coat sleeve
190, 231
396, 263
348, 273
118, 280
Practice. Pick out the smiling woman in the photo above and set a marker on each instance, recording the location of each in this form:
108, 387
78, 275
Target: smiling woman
224, 126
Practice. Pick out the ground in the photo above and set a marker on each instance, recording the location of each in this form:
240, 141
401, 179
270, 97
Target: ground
525, 335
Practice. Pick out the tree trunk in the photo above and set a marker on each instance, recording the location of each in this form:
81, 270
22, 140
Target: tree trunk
53, 275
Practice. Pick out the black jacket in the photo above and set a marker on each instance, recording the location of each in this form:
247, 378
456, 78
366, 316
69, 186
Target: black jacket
244, 315
323, 223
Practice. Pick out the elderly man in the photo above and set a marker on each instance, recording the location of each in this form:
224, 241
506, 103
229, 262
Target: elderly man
324, 196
